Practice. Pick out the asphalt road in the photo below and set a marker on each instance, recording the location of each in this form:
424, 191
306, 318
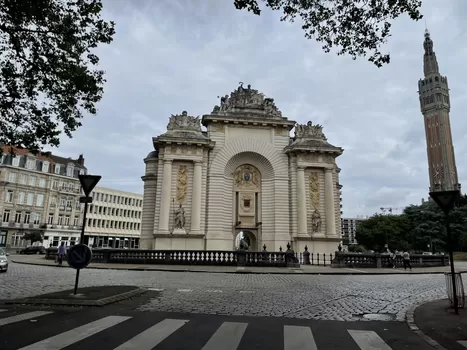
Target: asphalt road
121, 326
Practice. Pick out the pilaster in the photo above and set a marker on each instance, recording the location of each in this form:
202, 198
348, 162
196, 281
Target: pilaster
196, 198
165, 197
329, 203
301, 196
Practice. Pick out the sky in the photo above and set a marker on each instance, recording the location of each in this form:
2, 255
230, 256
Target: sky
174, 55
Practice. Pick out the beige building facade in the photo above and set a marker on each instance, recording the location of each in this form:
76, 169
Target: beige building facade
39, 193
113, 219
243, 175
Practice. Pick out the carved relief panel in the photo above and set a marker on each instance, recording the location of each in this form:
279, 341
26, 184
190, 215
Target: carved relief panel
182, 183
247, 185
313, 182
247, 177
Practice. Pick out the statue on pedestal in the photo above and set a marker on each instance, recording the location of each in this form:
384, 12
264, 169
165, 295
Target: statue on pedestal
179, 220
316, 222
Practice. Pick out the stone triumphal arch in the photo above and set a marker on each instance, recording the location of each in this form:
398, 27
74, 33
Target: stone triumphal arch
242, 173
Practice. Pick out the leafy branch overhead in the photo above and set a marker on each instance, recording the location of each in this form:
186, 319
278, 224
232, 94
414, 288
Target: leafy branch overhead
48, 73
355, 27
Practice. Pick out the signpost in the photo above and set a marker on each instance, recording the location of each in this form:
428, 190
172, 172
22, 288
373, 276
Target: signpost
446, 200
80, 255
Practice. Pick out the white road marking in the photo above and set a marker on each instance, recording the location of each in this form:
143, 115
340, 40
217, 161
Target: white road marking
152, 336
184, 290
368, 340
298, 338
227, 336
3, 310
77, 334
463, 343
156, 289
247, 291
23, 317
214, 291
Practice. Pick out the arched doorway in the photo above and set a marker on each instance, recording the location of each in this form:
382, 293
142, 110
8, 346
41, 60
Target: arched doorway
249, 238
247, 204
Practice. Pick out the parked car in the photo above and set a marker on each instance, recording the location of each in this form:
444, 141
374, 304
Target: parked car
33, 249
3, 261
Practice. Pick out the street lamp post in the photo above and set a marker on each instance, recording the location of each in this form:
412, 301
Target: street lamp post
88, 182
446, 200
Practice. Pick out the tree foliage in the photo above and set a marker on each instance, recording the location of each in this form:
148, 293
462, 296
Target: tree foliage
33, 236
420, 228
48, 73
355, 27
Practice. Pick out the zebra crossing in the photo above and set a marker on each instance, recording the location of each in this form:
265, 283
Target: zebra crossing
168, 333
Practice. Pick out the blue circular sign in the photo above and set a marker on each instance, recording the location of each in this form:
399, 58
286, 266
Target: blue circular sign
79, 256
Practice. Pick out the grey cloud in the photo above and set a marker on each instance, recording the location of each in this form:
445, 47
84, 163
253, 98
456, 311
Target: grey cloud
170, 56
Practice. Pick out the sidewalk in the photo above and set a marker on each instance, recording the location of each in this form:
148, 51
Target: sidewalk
440, 324
461, 266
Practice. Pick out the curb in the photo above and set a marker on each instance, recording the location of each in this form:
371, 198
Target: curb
414, 328
69, 302
247, 271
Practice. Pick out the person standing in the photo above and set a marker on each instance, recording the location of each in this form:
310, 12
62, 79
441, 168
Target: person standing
61, 253
406, 257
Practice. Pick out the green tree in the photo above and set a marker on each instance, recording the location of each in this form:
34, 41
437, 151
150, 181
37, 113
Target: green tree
48, 71
33, 236
379, 230
355, 27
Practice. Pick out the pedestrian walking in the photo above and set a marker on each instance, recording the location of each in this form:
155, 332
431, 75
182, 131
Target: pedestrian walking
393, 257
61, 253
406, 257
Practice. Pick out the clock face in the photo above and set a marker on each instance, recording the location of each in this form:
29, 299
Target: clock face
246, 176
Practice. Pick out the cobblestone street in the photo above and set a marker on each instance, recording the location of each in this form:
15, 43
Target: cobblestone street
318, 297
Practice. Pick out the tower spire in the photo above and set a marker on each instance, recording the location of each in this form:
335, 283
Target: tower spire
430, 63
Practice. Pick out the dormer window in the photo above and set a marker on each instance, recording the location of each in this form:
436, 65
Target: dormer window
45, 167
30, 163
15, 161
57, 169
70, 170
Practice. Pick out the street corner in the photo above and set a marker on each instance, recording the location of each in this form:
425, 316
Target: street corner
438, 324
87, 296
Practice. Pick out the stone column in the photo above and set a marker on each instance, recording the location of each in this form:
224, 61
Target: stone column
164, 212
146, 240
329, 203
301, 196
196, 198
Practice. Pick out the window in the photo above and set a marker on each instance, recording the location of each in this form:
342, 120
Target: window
12, 177
60, 219
50, 220
70, 170
30, 199
23, 179
67, 220
6, 215
77, 204
55, 185
45, 167
246, 203
57, 169
27, 217
21, 198
9, 196
15, 161
31, 164
68, 203
75, 221
53, 201
36, 219
32, 181
40, 200
18, 217
41, 182
70, 187
62, 202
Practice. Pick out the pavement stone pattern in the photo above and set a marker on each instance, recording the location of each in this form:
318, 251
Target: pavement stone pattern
316, 297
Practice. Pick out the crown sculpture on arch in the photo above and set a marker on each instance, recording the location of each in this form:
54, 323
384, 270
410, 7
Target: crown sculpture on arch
309, 131
247, 101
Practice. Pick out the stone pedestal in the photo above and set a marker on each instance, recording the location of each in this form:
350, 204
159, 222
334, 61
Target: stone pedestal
179, 231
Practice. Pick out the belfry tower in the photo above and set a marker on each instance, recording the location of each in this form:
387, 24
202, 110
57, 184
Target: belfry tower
435, 106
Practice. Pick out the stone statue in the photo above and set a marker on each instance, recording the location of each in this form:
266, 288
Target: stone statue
316, 222
251, 99
180, 218
184, 122
309, 130
243, 244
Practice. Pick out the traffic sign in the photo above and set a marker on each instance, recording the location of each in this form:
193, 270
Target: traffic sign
79, 256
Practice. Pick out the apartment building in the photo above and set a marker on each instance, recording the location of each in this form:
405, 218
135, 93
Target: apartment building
349, 228
39, 193
113, 219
